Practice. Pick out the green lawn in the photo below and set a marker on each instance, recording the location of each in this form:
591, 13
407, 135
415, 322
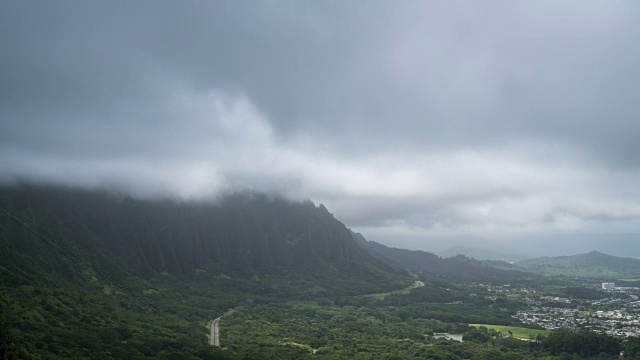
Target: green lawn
518, 332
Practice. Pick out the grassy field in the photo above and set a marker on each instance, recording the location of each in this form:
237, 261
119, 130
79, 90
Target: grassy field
518, 332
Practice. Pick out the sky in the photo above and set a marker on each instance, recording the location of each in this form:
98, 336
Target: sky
420, 124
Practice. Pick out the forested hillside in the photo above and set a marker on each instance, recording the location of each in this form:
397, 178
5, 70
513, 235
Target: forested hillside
243, 234
85, 272
98, 275
458, 267
593, 264
481, 254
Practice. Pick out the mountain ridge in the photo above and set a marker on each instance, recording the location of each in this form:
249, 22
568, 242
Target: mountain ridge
457, 267
591, 264
239, 233
480, 254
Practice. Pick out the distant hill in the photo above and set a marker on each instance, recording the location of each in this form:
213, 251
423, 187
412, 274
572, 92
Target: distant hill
481, 254
593, 264
458, 267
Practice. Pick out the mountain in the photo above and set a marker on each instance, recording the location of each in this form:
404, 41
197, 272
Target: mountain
593, 264
237, 234
480, 254
458, 267
93, 274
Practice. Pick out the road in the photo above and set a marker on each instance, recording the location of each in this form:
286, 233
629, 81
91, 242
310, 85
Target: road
416, 284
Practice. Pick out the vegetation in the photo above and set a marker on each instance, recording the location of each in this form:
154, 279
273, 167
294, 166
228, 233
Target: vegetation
515, 331
480, 254
460, 268
583, 343
591, 265
103, 277
6, 339
240, 234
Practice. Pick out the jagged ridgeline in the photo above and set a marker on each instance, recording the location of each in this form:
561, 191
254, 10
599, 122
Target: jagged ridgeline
458, 267
240, 234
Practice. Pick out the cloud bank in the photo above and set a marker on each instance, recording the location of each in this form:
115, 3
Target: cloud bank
411, 121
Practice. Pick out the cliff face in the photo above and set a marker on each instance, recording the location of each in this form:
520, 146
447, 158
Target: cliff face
239, 233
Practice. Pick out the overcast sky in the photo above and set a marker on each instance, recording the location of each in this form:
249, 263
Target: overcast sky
413, 122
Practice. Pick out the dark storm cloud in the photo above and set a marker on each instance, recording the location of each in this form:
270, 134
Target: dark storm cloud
424, 116
417, 71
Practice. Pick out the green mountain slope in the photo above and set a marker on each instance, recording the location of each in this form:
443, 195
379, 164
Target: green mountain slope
95, 276
480, 254
458, 267
242, 234
117, 277
594, 264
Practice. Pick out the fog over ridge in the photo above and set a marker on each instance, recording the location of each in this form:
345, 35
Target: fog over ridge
415, 123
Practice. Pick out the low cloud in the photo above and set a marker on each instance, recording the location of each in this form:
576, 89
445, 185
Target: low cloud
410, 121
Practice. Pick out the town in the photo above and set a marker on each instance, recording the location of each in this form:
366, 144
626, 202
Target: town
614, 310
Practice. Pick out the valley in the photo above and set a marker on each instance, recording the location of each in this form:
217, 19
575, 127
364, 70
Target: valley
90, 275
311, 180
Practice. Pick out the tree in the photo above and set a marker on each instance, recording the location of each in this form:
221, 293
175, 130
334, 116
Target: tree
480, 335
5, 338
583, 343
